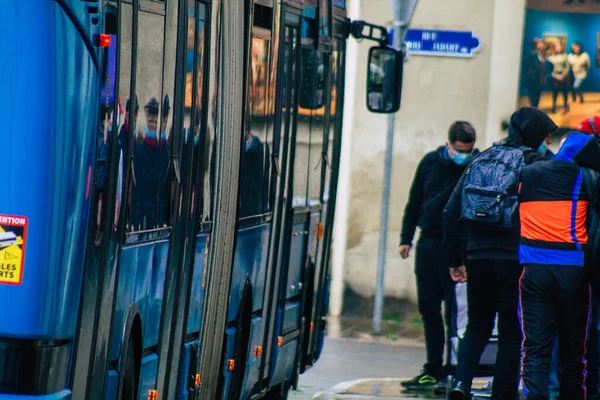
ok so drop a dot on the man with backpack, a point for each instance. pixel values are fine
(484, 204)
(433, 184)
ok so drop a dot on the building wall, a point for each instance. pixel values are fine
(437, 91)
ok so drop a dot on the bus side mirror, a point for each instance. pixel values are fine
(384, 80)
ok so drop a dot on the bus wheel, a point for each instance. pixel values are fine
(128, 392)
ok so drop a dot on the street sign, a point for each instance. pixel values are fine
(432, 42)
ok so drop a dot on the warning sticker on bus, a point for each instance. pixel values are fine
(13, 236)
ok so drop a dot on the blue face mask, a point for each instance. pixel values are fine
(459, 158)
(542, 149)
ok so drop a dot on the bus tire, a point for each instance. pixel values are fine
(129, 389)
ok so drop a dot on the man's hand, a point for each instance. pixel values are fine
(459, 274)
(404, 251)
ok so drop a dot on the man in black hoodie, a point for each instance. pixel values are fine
(437, 174)
(493, 270)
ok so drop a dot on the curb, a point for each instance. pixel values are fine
(340, 388)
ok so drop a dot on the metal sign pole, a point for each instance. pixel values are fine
(402, 12)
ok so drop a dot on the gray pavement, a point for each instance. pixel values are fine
(345, 360)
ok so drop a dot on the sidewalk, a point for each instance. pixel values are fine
(387, 388)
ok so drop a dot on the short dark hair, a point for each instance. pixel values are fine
(535, 43)
(580, 47)
(461, 131)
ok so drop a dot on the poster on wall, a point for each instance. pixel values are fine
(560, 62)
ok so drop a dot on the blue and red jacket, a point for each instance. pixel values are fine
(554, 204)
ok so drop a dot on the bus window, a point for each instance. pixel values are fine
(288, 93)
(204, 148)
(106, 119)
(188, 133)
(334, 121)
(256, 152)
(127, 115)
(166, 190)
(150, 148)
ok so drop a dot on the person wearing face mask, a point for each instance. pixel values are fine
(483, 209)
(435, 178)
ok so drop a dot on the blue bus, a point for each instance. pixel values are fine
(171, 173)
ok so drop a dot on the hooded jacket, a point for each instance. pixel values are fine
(528, 127)
(432, 186)
(554, 204)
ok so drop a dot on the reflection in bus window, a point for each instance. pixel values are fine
(189, 136)
(256, 152)
(106, 118)
(334, 125)
(203, 136)
(150, 183)
(288, 104)
(311, 124)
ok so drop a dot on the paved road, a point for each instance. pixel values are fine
(346, 360)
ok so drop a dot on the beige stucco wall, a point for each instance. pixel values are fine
(436, 92)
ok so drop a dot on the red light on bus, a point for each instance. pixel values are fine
(104, 40)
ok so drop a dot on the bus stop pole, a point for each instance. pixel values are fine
(398, 31)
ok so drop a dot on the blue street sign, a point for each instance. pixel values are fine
(431, 42)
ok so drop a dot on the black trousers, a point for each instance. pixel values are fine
(434, 286)
(492, 288)
(554, 298)
(560, 87)
(535, 91)
(593, 349)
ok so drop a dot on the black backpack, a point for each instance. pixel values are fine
(490, 187)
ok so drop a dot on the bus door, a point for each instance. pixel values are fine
(312, 162)
(332, 137)
(293, 211)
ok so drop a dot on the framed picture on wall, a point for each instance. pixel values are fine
(551, 39)
(598, 49)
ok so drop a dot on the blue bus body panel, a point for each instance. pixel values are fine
(285, 363)
(230, 335)
(148, 375)
(141, 280)
(291, 317)
(184, 372)
(112, 385)
(64, 395)
(297, 260)
(275, 352)
(284, 357)
(197, 295)
(49, 86)
(250, 259)
(253, 362)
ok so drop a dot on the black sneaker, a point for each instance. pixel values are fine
(423, 381)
